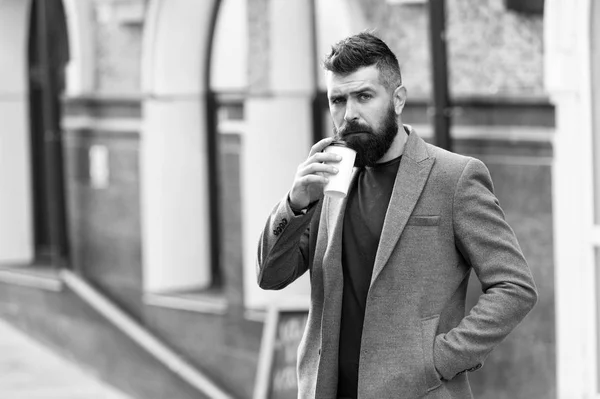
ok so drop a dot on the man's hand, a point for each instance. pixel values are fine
(309, 182)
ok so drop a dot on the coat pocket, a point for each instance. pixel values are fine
(423, 220)
(429, 327)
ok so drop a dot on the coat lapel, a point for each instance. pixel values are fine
(411, 178)
(333, 288)
(332, 274)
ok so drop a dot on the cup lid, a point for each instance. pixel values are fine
(339, 143)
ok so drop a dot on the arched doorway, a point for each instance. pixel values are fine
(32, 65)
(48, 55)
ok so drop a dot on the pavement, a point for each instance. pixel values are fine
(28, 370)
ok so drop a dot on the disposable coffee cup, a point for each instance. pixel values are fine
(338, 184)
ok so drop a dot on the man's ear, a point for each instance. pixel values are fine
(399, 99)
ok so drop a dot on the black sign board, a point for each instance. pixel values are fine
(276, 377)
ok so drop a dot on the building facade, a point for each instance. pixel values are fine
(145, 141)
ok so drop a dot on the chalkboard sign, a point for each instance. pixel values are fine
(276, 377)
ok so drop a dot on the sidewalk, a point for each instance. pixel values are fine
(28, 370)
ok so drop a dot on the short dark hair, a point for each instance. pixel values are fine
(362, 50)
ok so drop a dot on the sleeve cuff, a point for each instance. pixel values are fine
(299, 212)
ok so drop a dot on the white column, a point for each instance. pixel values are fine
(229, 63)
(568, 81)
(16, 224)
(336, 19)
(279, 136)
(174, 175)
(176, 244)
(80, 69)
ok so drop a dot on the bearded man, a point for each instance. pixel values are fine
(389, 263)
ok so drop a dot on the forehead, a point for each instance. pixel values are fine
(365, 77)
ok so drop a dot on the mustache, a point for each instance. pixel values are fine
(353, 127)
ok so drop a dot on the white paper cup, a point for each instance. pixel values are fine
(339, 183)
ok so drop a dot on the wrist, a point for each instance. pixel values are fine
(296, 209)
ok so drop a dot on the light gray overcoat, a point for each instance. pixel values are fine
(442, 221)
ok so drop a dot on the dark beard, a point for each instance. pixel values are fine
(370, 146)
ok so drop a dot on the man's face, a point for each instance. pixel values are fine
(363, 113)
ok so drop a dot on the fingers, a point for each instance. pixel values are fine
(320, 146)
(323, 157)
(312, 179)
(314, 167)
(318, 161)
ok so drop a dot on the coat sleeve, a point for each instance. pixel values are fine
(285, 245)
(489, 245)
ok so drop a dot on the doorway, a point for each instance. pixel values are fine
(48, 54)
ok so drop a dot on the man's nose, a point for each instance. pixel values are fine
(351, 113)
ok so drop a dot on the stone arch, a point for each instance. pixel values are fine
(174, 150)
(16, 208)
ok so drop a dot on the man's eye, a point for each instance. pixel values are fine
(364, 96)
(337, 100)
